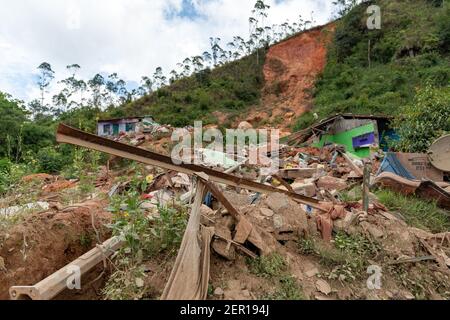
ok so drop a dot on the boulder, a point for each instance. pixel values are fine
(245, 125)
(331, 183)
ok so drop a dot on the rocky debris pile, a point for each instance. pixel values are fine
(254, 224)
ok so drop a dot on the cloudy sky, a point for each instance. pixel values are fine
(130, 37)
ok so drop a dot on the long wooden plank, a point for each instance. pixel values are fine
(51, 286)
(66, 134)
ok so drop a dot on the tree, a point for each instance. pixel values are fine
(207, 57)
(425, 120)
(96, 85)
(147, 84)
(158, 78)
(45, 78)
(174, 76)
(12, 117)
(37, 109)
(60, 100)
(74, 86)
(215, 48)
(197, 62)
(73, 68)
(344, 6)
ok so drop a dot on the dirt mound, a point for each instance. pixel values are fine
(290, 71)
(46, 242)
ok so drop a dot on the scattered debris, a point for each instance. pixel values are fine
(316, 211)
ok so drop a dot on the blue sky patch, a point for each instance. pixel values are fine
(188, 11)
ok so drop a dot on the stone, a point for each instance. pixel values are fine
(408, 295)
(277, 202)
(245, 125)
(331, 183)
(312, 272)
(218, 292)
(305, 189)
(290, 114)
(2, 264)
(234, 285)
(207, 211)
(373, 230)
(323, 287)
(278, 221)
(243, 230)
(267, 212)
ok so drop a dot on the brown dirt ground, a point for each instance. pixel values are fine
(46, 242)
(290, 71)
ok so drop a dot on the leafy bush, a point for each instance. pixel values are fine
(5, 168)
(5, 165)
(304, 121)
(288, 289)
(49, 160)
(268, 266)
(423, 121)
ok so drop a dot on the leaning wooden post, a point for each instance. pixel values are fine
(366, 184)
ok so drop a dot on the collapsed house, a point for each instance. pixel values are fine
(117, 126)
(362, 136)
(238, 212)
(357, 133)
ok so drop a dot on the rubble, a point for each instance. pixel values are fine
(240, 212)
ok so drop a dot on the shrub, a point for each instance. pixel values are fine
(49, 160)
(268, 266)
(304, 121)
(423, 121)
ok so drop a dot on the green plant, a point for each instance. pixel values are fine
(351, 196)
(267, 266)
(126, 283)
(287, 289)
(169, 227)
(347, 257)
(86, 240)
(417, 212)
(49, 160)
(306, 246)
(304, 121)
(423, 121)
(403, 58)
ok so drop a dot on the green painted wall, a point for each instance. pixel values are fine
(346, 139)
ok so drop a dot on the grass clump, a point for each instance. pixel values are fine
(275, 269)
(347, 257)
(287, 289)
(416, 212)
(144, 237)
(268, 266)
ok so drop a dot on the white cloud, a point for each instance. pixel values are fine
(130, 37)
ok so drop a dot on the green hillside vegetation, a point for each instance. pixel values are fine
(230, 88)
(409, 54)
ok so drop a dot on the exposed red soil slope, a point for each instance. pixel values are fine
(290, 71)
(46, 242)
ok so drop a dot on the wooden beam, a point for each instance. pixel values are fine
(51, 286)
(66, 134)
